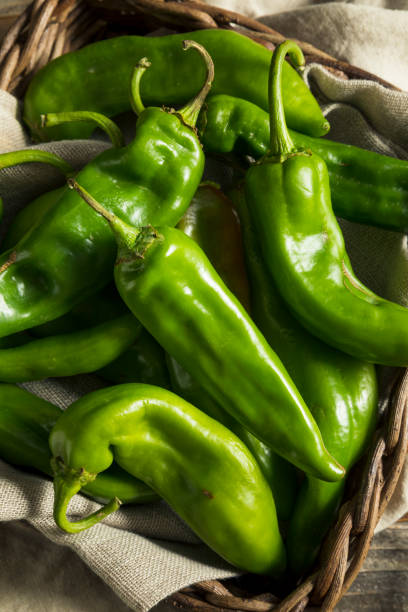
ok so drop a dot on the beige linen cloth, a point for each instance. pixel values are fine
(145, 553)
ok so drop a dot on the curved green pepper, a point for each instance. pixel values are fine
(25, 423)
(197, 465)
(366, 187)
(212, 222)
(150, 180)
(170, 286)
(340, 391)
(241, 69)
(69, 354)
(289, 197)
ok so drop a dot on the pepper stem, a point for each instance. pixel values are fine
(106, 124)
(281, 143)
(125, 234)
(191, 110)
(35, 155)
(138, 72)
(67, 482)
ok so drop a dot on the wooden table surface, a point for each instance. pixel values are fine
(382, 585)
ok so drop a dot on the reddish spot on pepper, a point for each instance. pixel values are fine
(208, 494)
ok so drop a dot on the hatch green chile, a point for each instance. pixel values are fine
(212, 222)
(170, 286)
(25, 424)
(366, 187)
(197, 465)
(77, 352)
(340, 391)
(69, 255)
(288, 194)
(241, 69)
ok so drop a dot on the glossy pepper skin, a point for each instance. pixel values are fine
(150, 180)
(288, 194)
(341, 392)
(197, 465)
(69, 354)
(366, 187)
(168, 283)
(25, 424)
(106, 67)
(212, 222)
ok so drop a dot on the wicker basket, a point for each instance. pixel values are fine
(49, 28)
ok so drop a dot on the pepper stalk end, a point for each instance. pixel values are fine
(189, 113)
(67, 482)
(125, 234)
(281, 143)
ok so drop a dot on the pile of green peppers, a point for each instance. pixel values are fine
(237, 344)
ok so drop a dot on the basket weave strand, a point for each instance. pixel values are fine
(49, 28)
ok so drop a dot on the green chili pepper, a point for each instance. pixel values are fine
(170, 286)
(289, 197)
(340, 391)
(196, 464)
(35, 211)
(366, 187)
(25, 423)
(69, 354)
(241, 69)
(68, 256)
(212, 222)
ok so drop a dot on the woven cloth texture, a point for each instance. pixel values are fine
(146, 553)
